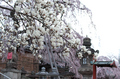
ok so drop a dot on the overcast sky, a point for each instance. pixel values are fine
(106, 17)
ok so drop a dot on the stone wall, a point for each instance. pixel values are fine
(26, 61)
(12, 73)
(2, 64)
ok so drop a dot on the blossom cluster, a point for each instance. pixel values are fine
(85, 50)
(38, 18)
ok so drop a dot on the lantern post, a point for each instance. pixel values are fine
(86, 69)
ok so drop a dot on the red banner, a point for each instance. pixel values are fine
(9, 56)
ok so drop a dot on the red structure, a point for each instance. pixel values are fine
(101, 64)
(94, 70)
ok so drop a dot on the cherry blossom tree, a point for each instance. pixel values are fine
(28, 23)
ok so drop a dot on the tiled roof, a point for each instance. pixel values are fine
(104, 63)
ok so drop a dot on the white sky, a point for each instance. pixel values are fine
(106, 17)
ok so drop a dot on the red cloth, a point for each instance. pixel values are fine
(9, 56)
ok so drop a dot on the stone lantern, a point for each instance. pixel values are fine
(43, 74)
(53, 74)
(86, 68)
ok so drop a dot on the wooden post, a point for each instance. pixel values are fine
(94, 69)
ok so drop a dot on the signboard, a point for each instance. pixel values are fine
(9, 56)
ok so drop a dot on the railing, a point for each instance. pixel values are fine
(4, 76)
